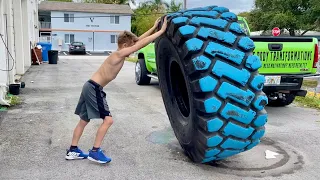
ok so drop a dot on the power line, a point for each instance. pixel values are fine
(107, 15)
(8, 51)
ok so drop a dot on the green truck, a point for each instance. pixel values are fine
(285, 63)
(216, 80)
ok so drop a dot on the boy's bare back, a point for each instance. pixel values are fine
(109, 69)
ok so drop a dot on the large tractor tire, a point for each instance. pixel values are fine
(210, 84)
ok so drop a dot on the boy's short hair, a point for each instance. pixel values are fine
(127, 36)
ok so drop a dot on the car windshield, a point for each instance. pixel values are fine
(244, 27)
(77, 44)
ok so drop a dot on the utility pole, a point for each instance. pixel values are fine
(184, 4)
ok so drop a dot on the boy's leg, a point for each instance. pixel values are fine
(107, 122)
(96, 153)
(78, 132)
(74, 152)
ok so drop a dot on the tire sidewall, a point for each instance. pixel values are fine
(163, 68)
(282, 102)
(144, 78)
(138, 81)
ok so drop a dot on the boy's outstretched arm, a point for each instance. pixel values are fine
(151, 30)
(143, 42)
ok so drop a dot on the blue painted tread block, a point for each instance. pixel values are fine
(227, 90)
(226, 37)
(211, 14)
(239, 75)
(232, 55)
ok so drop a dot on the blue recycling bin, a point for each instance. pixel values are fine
(45, 48)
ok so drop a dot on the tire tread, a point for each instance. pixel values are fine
(221, 131)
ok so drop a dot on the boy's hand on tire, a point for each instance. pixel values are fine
(156, 23)
(164, 25)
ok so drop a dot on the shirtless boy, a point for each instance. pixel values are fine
(92, 103)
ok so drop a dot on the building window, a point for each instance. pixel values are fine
(68, 17)
(114, 39)
(114, 19)
(68, 38)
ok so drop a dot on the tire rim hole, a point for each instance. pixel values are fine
(179, 88)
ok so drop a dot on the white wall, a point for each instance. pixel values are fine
(94, 41)
(21, 18)
(26, 32)
(102, 41)
(81, 23)
(33, 20)
(19, 43)
(9, 39)
(3, 74)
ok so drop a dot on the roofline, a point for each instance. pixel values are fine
(84, 12)
(40, 8)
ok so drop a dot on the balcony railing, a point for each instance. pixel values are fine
(45, 25)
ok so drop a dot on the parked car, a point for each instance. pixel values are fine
(77, 47)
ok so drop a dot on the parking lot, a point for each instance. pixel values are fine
(88, 53)
(35, 135)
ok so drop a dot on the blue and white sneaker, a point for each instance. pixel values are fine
(75, 154)
(98, 156)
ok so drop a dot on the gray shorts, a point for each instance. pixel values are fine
(92, 103)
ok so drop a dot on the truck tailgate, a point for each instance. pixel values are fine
(285, 55)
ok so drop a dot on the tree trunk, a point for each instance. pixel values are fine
(292, 32)
(316, 24)
(308, 30)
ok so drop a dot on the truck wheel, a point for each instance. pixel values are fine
(141, 73)
(281, 102)
(210, 84)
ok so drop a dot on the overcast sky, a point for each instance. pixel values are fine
(235, 6)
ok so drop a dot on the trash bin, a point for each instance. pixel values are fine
(45, 48)
(14, 89)
(53, 57)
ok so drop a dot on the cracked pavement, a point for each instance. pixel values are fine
(34, 136)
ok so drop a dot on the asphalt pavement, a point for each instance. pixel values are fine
(34, 136)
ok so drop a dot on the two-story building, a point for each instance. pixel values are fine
(96, 25)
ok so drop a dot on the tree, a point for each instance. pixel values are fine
(107, 1)
(244, 14)
(144, 17)
(159, 5)
(173, 7)
(61, 0)
(292, 15)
